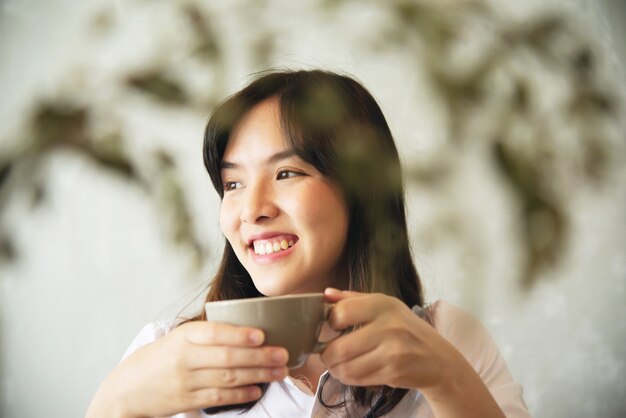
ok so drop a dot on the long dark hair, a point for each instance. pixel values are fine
(333, 123)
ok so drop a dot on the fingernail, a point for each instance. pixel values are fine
(332, 291)
(255, 337)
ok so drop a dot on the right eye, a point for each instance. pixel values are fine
(232, 185)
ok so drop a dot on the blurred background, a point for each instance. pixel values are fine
(509, 117)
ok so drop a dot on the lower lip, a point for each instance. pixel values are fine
(270, 258)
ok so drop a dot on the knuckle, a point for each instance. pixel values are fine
(397, 330)
(228, 377)
(394, 372)
(211, 330)
(341, 350)
(378, 296)
(173, 342)
(180, 383)
(338, 317)
(227, 357)
(177, 363)
(215, 396)
(388, 302)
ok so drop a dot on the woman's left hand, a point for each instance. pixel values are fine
(391, 345)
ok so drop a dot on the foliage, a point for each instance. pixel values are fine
(539, 145)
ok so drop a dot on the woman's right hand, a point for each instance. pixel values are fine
(198, 365)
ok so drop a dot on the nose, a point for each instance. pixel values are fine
(259, 204)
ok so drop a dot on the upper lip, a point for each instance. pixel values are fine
(265, 235)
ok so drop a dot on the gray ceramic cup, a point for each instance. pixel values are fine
(291, 321)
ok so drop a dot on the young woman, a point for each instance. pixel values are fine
(312, 201)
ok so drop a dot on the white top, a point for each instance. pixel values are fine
(291, 398)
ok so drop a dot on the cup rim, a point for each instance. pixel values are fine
(266, 298)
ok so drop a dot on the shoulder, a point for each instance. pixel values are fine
(150, 333)
(467, 334)
(461, 328)
(471, 338)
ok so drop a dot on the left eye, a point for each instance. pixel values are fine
(286, 174)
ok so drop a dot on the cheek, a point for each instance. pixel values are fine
(228, 221)
(324, 211)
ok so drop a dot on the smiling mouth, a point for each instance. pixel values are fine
(269, 246)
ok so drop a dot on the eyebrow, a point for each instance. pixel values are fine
(279, 156)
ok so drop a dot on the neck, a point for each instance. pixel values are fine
(313, 367)
(309, 372)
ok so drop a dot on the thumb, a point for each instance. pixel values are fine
(335, 295)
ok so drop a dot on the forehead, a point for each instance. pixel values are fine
(258, 134)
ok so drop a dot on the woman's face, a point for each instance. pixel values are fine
(286, 222)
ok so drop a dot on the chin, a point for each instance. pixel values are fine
(277, 288)
(270, 289)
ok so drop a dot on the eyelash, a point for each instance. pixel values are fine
(282, 174)
(292, 173)
(228, 185)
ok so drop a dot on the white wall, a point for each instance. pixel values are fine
(96, 264)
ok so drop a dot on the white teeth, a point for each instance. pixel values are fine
(269, 247)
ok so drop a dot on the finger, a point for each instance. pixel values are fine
(217, 333)
(203, 357)
(205, 398)
(353, 311)
(335, 295)
(365, 370)
(392, 363)
(230, 378)
(350, 346)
